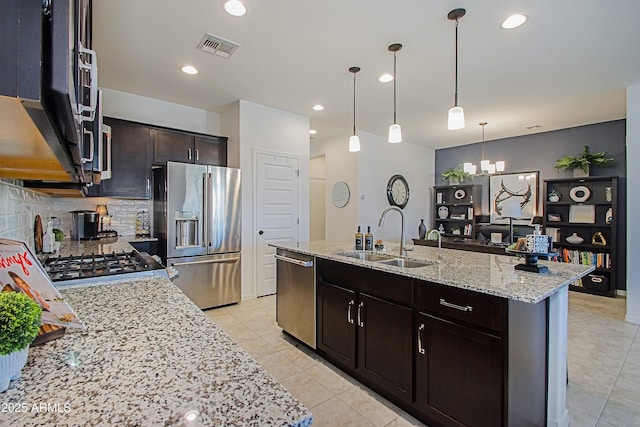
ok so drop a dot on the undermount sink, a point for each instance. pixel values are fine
(406, 263)
(365, 256)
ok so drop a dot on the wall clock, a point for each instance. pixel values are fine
(398, 191)
(340, 194)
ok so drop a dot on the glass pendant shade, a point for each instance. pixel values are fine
(456, 118)
(354, 143)
(395, 133)
(492, 169)
(484, 165)
(500, 166)
(467, 167)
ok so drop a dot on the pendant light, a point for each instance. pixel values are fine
(395, 132)
(456, 113)
(486, 167)
(354, 140)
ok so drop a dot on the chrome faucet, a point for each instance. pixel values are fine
(440, 256)
(381, 224)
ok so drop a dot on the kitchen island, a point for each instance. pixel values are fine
(149, 357)
(464, 340)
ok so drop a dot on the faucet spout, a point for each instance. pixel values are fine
(381, 224)
(440, 256)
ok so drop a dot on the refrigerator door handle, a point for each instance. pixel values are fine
(211, 261)
(205, 209)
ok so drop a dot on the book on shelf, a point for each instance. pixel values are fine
(598, 259)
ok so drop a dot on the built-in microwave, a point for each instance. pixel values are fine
(48, 68)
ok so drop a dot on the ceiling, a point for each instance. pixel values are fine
(567, 66)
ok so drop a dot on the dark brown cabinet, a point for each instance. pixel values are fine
(131, 156)
(458, 373)
(176, 146)
(365, 335)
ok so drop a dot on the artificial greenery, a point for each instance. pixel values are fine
(19, 321)
(585, 160)
(59, 234)
(456, 173)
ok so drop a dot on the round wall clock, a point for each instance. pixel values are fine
(398, 191)
(340, 194)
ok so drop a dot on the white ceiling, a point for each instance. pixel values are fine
(567, 66)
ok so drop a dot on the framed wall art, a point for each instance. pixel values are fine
(507, 188)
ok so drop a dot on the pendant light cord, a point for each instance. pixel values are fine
(455, 99)
(354, 103)
(394, 88)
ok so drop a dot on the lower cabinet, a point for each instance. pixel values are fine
(458, 373)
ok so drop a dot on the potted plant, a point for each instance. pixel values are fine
(59, 237)
(580, 165)
(454, 175)
(19, 325)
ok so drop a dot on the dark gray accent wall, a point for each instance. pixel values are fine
(539, 152)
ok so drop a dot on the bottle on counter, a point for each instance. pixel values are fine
(368, 240)
(422, 230)
(359, 245)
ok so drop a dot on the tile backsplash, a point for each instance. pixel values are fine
(19, 207)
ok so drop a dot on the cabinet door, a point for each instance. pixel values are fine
(130, 162)
(210, 150)
(458, 371)
(336, 324)
(385, 345)
(172, 146)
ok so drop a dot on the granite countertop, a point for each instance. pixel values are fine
(486, 273)
(149, 357)
(105, 245)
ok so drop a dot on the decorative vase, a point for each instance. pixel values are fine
(609, 216)
(575, 239)
(11, 366)
(454, 181)
(422, 230)
(443, 212)
(553, 198)
(580, 173)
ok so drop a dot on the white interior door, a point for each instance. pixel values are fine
(276, 213)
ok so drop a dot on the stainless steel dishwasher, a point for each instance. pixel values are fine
(296, 295)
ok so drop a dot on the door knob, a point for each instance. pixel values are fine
(261, 232)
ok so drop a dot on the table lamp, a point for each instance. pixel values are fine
(511, 209)
(102, 212)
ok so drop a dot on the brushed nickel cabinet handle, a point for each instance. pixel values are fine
(189, 153)
(421, 349)
(360, 323)
(456, 306)
(349, 318)
(197, 155)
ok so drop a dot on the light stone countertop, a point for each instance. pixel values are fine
(475, 271)
(105, 245)
(149, 357)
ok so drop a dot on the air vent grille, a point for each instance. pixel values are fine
(217, 45)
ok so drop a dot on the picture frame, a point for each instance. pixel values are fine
(582, 214)
(522, 186)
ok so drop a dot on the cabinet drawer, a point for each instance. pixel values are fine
(468, 306)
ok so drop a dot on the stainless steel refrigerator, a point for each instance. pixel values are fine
(197, 220)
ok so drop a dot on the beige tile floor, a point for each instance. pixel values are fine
(603, 356)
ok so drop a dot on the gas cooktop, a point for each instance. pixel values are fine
(74, 267)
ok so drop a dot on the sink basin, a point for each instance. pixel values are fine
(405, 263)
(365, 256)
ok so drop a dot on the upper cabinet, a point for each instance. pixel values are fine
(131, 155)
(176, 146)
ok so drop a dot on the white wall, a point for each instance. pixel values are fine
(141, 109)
(340, 165)
(633, 204)
(367, 174)
(255, 128)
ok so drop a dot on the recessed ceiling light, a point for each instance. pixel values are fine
(385, 78)
(514, 21)
(189, 69)
(235, 8)
(312, 131)
(318, 107)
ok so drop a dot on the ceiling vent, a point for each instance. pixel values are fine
(217, 45)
